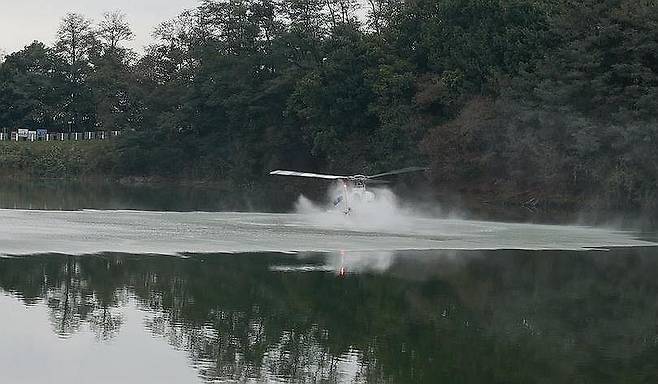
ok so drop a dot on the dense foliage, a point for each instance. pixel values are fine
(59, 159)
(554, 100)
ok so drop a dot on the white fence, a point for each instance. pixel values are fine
(43, 135)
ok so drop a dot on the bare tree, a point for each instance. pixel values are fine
(342, 11)
(113, 30)
(75, 39)
(380, 11)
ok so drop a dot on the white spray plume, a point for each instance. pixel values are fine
(384, 214)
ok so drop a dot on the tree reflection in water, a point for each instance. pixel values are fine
(506, 316)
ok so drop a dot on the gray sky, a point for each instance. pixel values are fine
(22, 21)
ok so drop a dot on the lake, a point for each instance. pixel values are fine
(140, 287)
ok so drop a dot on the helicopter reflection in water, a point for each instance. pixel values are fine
(342, 262)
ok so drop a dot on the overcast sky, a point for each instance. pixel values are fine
(23, 21)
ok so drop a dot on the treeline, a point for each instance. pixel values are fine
(555, 100)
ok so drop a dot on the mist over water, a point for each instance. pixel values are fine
(383, 225)
(385, 213)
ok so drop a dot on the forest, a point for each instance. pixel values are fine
(555, 100)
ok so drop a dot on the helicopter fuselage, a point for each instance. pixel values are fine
(353, 193)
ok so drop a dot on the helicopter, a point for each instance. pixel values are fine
(353, 186)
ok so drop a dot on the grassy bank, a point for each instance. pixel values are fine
(58, 159)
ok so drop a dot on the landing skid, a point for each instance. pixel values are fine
(344, 212)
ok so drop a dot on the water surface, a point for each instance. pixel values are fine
(173, 295)
(469, 317)
(88, 232)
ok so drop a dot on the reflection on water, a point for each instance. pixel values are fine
(466, 317)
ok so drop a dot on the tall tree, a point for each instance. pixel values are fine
(31, 89)
(76, 42)
(112, 80)
(113, 30)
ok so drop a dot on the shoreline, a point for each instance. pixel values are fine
(270, 197)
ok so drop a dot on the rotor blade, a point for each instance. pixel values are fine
(307, 174)
(399, 171)
(378, 181)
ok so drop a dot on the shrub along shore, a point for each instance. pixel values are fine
(58, 159)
